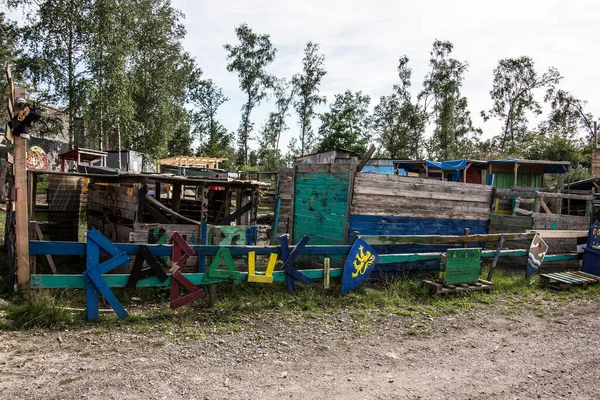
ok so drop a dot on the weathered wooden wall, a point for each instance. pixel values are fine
(397, 205)
(285, 188)
(320, 202)
(64, 207)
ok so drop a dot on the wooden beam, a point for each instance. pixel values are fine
(366, 158)
(544, 206)
(155, 203)
(236, 215)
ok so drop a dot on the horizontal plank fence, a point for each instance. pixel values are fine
(39, 281)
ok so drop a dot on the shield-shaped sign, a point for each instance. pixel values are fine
(537, 252)
(359, 264)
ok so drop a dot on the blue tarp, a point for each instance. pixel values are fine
(453, 164)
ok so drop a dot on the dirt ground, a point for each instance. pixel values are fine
(482, 354)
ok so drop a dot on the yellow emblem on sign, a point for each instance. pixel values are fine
(23, 114)
(362, 262)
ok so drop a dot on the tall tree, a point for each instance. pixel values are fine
(207, 97)
(57, 37)
(398, 122)
(445, 104)
(160, 73)
(515, 82)
(250, 59)
(347, 124)
(306, 86)
(109, 107)
(567, 116)
(270, 135)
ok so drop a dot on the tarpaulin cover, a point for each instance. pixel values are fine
(453, 164)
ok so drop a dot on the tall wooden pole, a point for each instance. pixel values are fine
(21, 200)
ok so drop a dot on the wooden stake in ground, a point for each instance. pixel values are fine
(21, 217)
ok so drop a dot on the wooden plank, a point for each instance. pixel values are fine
(562, 234)
(434, 239)
(401, 195)
(418, 180)
(465, 189)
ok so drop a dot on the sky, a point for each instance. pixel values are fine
(362, 42)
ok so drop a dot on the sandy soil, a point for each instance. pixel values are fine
(482, 354)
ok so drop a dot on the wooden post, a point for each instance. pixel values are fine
(176, 200)
(227, 201)
(465, 172)
(204, 203)
(212, 288)
(33, 178)
(467, 233)
(142, 202)
(326, 267)
(157, 190)
(238, 204)
(516, 174)
(291, 220)
(21, 206)
(254, 209)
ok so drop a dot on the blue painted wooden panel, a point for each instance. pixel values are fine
(389, 226)
(320, 207)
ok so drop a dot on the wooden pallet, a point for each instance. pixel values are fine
(438, 288)
(566, 280)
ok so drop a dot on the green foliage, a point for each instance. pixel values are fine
(513, 94)
(399, 123)
(449, 109)
(250, 59)
(347, 124)
(306, 84)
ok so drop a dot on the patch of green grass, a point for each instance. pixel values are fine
(38, 310)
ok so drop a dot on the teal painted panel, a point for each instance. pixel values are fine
(320, 207)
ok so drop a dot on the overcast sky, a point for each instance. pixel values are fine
(362, 41)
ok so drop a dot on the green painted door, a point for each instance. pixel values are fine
(320, 206)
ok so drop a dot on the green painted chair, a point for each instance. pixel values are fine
(460, 266)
